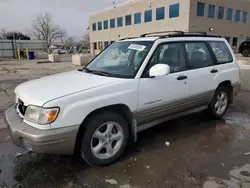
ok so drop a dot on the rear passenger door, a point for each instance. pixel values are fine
(201, 72)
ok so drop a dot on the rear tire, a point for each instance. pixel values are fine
(220, 102)
(245, 53)
(106, 137)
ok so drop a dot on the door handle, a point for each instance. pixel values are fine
(182, 77)
(214, 71)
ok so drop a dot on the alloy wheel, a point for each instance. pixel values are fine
(107, 140)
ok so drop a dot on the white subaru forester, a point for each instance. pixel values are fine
(132, 85)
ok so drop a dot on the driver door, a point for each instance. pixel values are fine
(164, 95)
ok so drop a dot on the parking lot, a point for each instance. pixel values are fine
(202, 152)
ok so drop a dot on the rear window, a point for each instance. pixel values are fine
(221, 51)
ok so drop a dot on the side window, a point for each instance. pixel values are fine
(172, 54)
(221, 52)
(198, 55)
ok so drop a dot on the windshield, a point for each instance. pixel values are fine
(121, 59)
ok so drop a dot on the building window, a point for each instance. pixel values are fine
(99, 25)
(94, 27)
(230, 14)
(112, 23)
(237, 16)
(235, 41)
(95, 46)
(106, 44)
(137, 18)
(105, 24)
(119, 22)
(228, 39)
(200, 9)
(128, 20)
(211, 11)
(160, 13)
(245, 17)
(221, 13)
(148, 16)
(174, 10)
(100, 46)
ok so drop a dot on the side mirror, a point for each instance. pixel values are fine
(159, 70)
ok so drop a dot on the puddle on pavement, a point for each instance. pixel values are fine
(239, 118)
(238, 178)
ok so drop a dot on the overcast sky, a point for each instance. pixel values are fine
(70, 14)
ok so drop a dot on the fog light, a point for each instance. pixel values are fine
(25, 144)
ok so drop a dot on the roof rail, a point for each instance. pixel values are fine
(196, 33)
(128, 38)
(156, 33)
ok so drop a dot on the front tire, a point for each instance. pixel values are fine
(220, 102)
(245, 53)
(106, 137)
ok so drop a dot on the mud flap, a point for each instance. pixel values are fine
(134, 130)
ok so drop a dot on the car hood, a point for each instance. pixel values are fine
(42, 90)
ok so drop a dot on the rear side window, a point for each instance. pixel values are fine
(221, 52)
(198, 55)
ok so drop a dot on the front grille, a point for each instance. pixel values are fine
(21, 107)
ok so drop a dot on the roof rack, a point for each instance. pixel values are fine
(128, 38)
(196, 33)
(157, 33)
(164, 34)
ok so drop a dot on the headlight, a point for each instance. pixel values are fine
(41, 115)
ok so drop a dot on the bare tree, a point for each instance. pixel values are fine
(85, 41)
(43, 28)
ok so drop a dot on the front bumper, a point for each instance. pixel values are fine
(54, 141)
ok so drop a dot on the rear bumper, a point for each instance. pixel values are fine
(54, 141)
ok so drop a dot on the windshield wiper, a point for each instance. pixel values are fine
(102, 73)
(97, 72)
